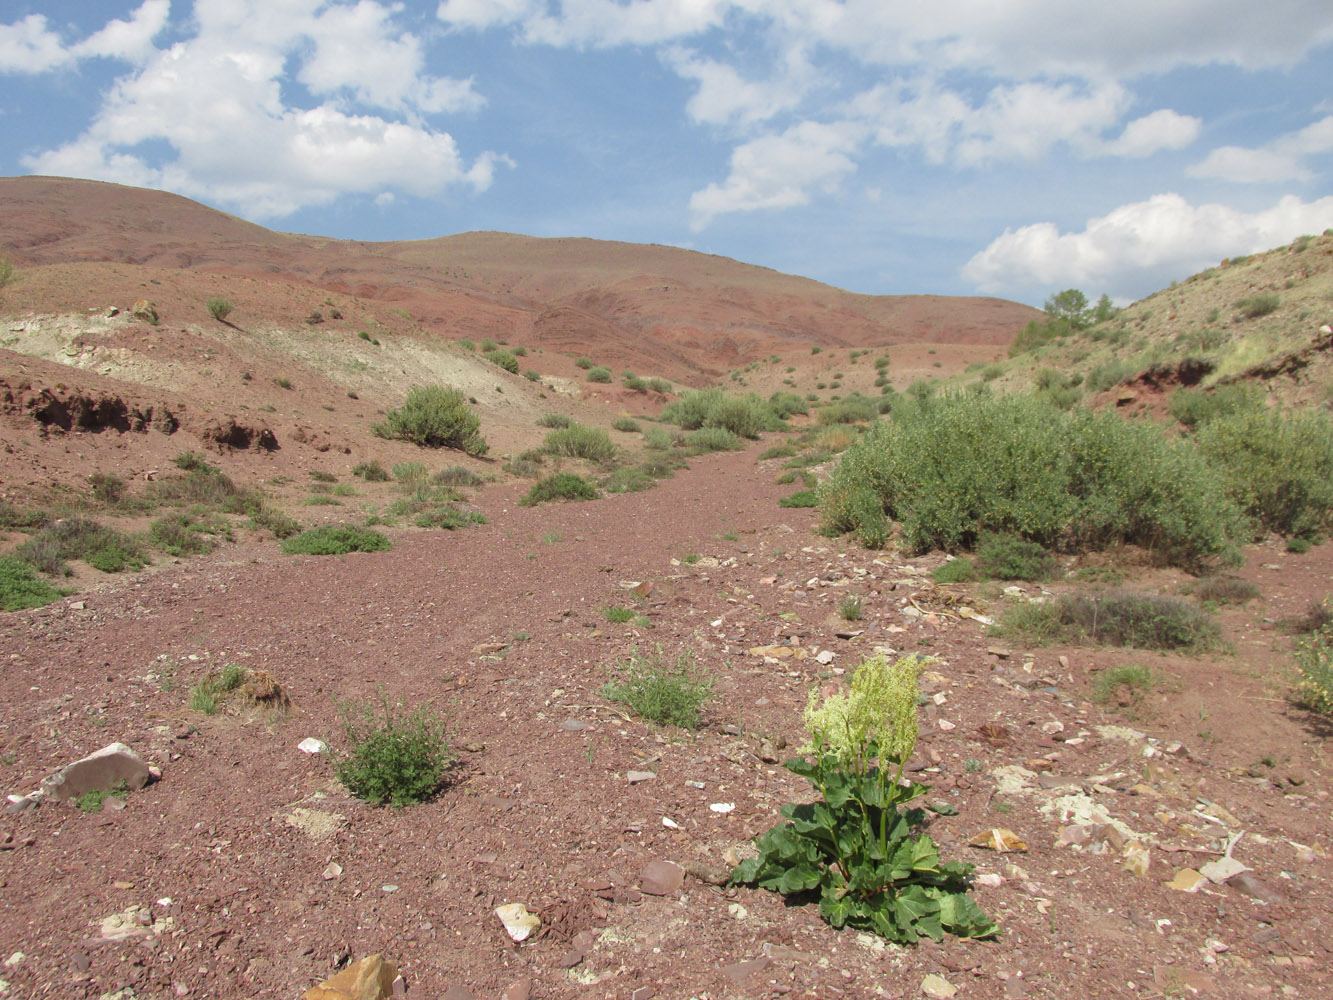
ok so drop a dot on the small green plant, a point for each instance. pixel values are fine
(626, 425)
(214, 687)
(101, 547)
(852, 607)
(179, 533)
(1224, 588)
(393, 757)
(561, 486)
(456, 475)
(553, 420)
(1010, 557)
(503, 359)
(410, 473)
(619, 615)
(108, 488)
(335, 540)
(577, 441)
(1299, 545)
(1124, 686)
(584, 363)
(219, 309)
(801, 498)
(435, 416)
(960, 570)
(1115, 618)
(858, 846)
(599, 373)
(21, 587)
(92, 801)
(707, 439)
(669, 690)
(282, 383)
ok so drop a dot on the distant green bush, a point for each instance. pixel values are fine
(852, 410)
(1010, 557)
(503, 359)
(1278, 466)
(1197, 406)
(101, 547)
(1314, 659)
(553, 420)
(801, 498)
(335, 540)
(578, 441)
(746, 416)
(21, 587)
(950, 468)
(219, 309)
(599, 373)
(1259, 305)
(584, 363)
(713, 439)
(371, 472)
(1115, 618)
(561, 486)
(435, 416)
(625, 424)
(785, 404)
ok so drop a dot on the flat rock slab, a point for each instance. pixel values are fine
(661, 878)
(371, 978)
(112, 767)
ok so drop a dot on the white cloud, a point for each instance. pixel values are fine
(725, 97)
(132, 40)
(778, 171)
(28, 46)
(1283, 159)
(1139, 246)
(1164, 129)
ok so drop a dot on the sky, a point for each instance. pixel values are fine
(997, 147)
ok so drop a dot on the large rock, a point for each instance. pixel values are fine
(146, 311)
(112, 767)
(369, 979)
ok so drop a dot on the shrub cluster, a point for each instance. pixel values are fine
(669, 690)
(101, 547)
(949, 468)
(21, 587)
(335, 540)
(393, 757)
(1116, 618)
(434, 416)
(745, 416)
(578, 441)
(561, 486)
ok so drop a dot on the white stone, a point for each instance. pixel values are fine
(518, 922)
(312, 745)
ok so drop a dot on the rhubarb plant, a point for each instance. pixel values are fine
(861, 847)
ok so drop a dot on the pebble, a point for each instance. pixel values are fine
(661, 878)
(635, 777)
(938, 987)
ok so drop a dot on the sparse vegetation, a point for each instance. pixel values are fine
(101, 547)
(21, 587)
(213, 688)
(435, 416)
(599, 373)
(393, 757)
(335, 540)
(618, 615)
(561, 486)
(1115, 618)
(1224, 588)
(1123, 686)
(371, 472)
(667, 689)
(1259, 305)
(578, 441)
(801, 498)
(1314, 659)
(626, 425)
(852, 607)
(745, 416)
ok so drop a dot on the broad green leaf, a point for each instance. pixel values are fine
(799, 879)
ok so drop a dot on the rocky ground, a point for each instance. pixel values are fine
(247, 871)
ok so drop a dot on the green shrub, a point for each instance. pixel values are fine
(532, 375)
(14, 518)
(21, 587)
(178, 534)
(561, 486)
(661, 439)
(853, 410)
(713, 439)
(631, 480)
(577, 441)
(503, 359)
(658, 384)
(434, 416)
(584, 363)
(746, 416)
(858, 848)
(784, 450)
(219, 309)
(950, 468)
(1278, 466)
(1314, 659)
(600, 373)
(625, 424)
(618, 615)
(1197, 406)
(1223, 588)
(961, 570)
(103, 548)
(852, 607)
(1259, 305)
(786, 404)
(801, 498)
(1299, 546)
(213, 688)
(553, 420)
(1116, 618)
(1125, 685)
(661, 689)
(1110, 374)
(633, 383)
(393, 757)
(456, 475)
(467, 344)
(1009, 557)
(335, 540)
(409, 472)
(488, 345)
(266, 518)
(371, 472)
(108, 488)
(6, 271)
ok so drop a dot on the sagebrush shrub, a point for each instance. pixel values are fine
(578, 441)
(335, 540)
(1116, 618)
(1314, 658)
(393, 757)
(713, 439)
(561, 486)
(503, 359)
(219, 309)
(746, 416)
(435, 416)
(101, 547)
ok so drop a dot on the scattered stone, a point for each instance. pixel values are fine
(661, 878)
(312, 745)
(332, 871)
(146, 311)
(1136, 859)
(457, 992)
(315, 823)
(644, 993)
(372, 978)
(722, 807)
(134, 922)
(741, 973)
(1187, 880)
(998, 839)
(112, 767)
(1251, 886)
(1222, 869)
(826, 656)
(520, 989)
(937, 987)
(573, 725)
(635, 777)
(518, 922)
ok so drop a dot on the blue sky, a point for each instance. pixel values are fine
(1007, 147)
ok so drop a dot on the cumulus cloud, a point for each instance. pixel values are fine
(1283, 159)
(28, 46)
(779, 171)
(227, 81)
(1139, 246)
(1161, 130)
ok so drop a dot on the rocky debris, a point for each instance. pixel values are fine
(520, 989)
(743, 973)
(937, 987)
(114, 766)
(636, 777)
(228, 432)
(315, 823)
(134, 922)
(145, 310)
(518, 922)
(661, 878)
(998, 839)
(372, 978)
